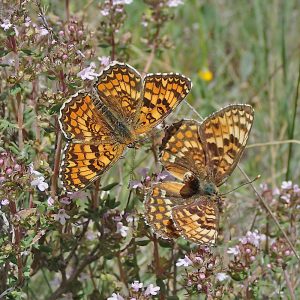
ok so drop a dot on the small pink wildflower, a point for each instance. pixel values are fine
(152, 290)
(61, 216)
(136, 285)
(88, 73)
(184, 262)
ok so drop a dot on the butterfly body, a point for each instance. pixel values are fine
(201, 156)
(121, 109)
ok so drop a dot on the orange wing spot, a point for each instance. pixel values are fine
(126, 78)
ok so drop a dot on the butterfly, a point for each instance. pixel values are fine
(201, 156)
(121, 108)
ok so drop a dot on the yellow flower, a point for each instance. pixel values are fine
(205, 75)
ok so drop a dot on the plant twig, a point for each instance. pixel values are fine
(273, 143)
(289, 284)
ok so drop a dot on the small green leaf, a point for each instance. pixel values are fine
(109, 186)
(28, 51)
(51, 77)
(3, 52)
(17, 88)
(104, 45)
(143, 242)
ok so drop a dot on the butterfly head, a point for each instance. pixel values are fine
(209, 188)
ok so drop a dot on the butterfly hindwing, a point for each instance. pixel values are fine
(197, 220)
(161, 95)
(163, 197)
(83, 164)
(224, 135)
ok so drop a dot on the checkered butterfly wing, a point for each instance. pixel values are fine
(224, 136)
(162, 93)
(197, 220)
(119, 88)
(91, 148)
(158, 206)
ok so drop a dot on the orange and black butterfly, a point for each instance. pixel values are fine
(201, 157)
(121, 108)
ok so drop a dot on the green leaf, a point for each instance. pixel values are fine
(17, 88)
(109, 186)
(55, 108)
(143, 242)
(3, 52)
(165, 243)
(4, 65)
(51, 77)
(28, 51)
(104, 45)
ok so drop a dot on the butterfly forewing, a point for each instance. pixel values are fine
(81, 120)
(119, 88)
(161, 94)
(224, 135)
(197, 220)
(83, 164)
(163, 197)
(182, 150)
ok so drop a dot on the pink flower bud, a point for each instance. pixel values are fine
(1, 161)
(202, 276)
(199, 287)
(71, 28)
(17, 167)
(2, 178)
(80, 32)
(65, 56)
(252, 258)
(248, 250)
(61, 33)
(9, 171)
(287, 252)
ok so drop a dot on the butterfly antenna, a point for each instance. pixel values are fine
(257, 177)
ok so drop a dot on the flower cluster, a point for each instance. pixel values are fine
(147, 179)
(288, 194)
(280, 252)
(138, 292)
(206, 274)
(14, 176)
(244, 253)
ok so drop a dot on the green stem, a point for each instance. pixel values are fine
(292, 129)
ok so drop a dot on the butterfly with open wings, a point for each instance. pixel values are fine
(121, 108)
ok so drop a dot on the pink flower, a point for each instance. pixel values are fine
(184, 262)
(221, 276)
(174, 3)
(50, 201)
(61, 216)
(152, 290)
(6, 24)
(123, 230)
(88, 73)
(234, 250)
(286, 185)
(104, 60)
(136, 285)
(253, 238)
(115, 296)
